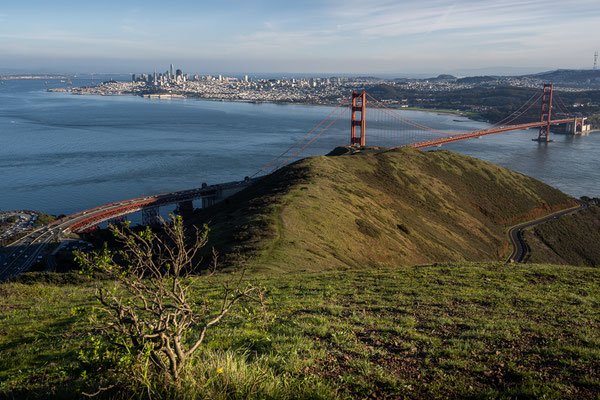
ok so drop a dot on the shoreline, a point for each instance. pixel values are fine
(172, 96)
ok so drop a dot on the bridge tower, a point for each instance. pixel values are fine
(544, 135)
(362, 108)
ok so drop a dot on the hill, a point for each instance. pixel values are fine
(349, 318)
(571, 240)
(589, 78)
(358, 209)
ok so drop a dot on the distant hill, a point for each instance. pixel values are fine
(571, 77)
(477, 79)
(378, 207)
(442, 77)
(562, 77)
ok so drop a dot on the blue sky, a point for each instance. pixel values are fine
(327, 36)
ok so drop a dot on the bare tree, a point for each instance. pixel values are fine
(152, 309)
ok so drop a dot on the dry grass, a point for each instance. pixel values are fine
(390, 207)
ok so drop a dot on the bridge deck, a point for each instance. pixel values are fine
(88, 218)
(471, 135)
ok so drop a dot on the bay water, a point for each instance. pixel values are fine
(61, 153)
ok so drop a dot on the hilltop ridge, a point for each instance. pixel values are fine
(361, 208)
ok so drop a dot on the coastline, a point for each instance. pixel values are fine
(174, 96)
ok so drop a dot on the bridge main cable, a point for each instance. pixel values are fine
(300, 140)
(393, 114)
(566, 109)
(468, 135)
(313, 139)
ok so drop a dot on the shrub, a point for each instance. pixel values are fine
(150, 318)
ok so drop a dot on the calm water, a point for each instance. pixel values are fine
(61, 153)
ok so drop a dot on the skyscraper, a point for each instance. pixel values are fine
(172, 70)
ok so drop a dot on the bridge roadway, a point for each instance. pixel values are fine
(463, 136)
(21, 254)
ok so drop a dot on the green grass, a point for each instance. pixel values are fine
(434, 331)
(572, 239)
(392, 207)
(45, 219)
(327, 236)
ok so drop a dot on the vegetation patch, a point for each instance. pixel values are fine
(433, 331)
(571, 239)
(404, 206)
(367, 228)
(45, 219)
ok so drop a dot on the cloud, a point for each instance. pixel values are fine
(391, 19)
(71, 38)
(478, 29)
(382, 34)
(131, 30)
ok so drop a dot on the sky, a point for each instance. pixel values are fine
(401, 38)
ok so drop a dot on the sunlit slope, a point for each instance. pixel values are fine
(572, 239)
(374, 207)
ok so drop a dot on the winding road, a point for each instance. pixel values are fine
(515, 233)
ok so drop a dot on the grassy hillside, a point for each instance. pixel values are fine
(437, 331)
(573, 239)
(388, 207)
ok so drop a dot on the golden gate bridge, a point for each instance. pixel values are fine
(387, 128)
(372, 123)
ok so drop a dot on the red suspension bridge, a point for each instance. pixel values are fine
(386, 127)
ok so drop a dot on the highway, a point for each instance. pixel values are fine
(19, 256)
(25, 220)
(515, 233)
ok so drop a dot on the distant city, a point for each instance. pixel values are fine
(174, 83)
